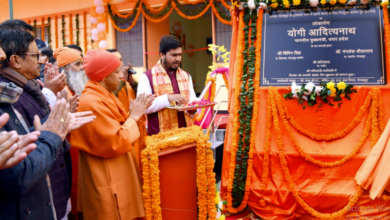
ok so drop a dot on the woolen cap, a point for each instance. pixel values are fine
(98, 64)
(65, 56)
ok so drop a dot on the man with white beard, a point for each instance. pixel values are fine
(71, 62)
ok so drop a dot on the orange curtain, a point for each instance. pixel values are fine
(326, 190)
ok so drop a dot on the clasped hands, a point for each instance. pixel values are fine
(61, 120)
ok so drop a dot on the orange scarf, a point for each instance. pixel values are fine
(162, 85)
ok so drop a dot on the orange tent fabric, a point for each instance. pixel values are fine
(139, 144)
(325, 189)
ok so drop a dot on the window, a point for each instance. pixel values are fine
(129, 44)
(223, 32)
(38, 34)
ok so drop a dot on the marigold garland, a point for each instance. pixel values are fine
(225, 4)
(272, 94)
(132, 24)
(155, 10)
(256, 103)
(239, 63)
(216, 13)
(267, 146)
(253, 73)
(175, 6)
(159, 19)
(205, 175)
(370, 124)
(375, 134)
(362, 111)
(116, 12)
(143, 6)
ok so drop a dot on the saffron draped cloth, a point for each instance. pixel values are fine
(375, 171)
(162, 85)
(125, 95)
(109, 183)
(327, 190)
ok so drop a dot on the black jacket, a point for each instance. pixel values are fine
(61, 170)
(24, 192)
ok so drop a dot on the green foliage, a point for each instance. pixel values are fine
(77, 30)
(246, 108)
(49, 31)
(63, 31)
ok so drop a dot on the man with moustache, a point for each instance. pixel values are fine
(71, 62)
(171, 85)
(20, 68)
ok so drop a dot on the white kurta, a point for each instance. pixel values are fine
(160, 102)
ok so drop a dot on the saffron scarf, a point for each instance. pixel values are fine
(162, 85)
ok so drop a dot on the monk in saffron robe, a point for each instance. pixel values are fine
(125, 93)
(109, 185)
(171, 85)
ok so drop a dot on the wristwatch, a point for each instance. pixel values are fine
(131, 71)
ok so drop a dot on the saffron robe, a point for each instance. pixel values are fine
(109, 185)
(124, 95)
(74, 153)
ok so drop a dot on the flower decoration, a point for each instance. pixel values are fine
(277, 111)
(263, 6)
(251, 4)
(313, 3)
(296, 2)
(205, 177)
(365, 2)
(309, 92)
(333, 2)
(286, 3)
(241, 6)
(351, 2)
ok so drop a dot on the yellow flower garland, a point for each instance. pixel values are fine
(205, 175)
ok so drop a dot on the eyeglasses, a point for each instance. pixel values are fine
(32, 54)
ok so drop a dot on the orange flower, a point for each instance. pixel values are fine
(195, 16)
(218, 16)
(272, 95)
(205, 175)
(370, 123)
(254, 120)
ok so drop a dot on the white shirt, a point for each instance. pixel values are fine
(50, 96)
(160, 102)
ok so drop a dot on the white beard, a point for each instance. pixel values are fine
(77, 81)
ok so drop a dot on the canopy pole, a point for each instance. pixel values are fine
(11, 10)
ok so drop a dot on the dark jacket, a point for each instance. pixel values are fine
(24, 192)
(61, 170)
(40, 43)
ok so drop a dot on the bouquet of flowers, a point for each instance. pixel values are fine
(309, 92)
